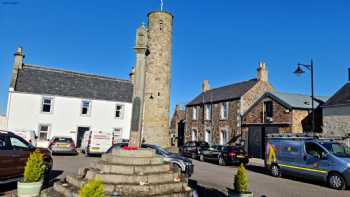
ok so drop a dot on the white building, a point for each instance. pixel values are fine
(3, 122)
(61, 103)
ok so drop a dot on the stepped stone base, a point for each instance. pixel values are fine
(132, 173)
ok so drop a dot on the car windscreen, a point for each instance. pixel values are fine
(338, 149)
(63, 140)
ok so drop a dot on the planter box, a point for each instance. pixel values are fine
(29, 189)
(232, 193)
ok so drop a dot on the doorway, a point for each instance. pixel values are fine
(257, 140)
(181, 133)
(80, 135)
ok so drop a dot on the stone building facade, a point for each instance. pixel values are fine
(154, 53)
(277, 112)
(290, 113)
(177, 127)
(336, 111)
(215, 115)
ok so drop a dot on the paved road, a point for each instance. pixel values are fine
(220, 177)
(261, 183)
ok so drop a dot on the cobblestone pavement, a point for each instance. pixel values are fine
(207, 176)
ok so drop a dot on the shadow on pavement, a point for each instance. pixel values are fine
(203, 191)
(53, 178)
(9, 189)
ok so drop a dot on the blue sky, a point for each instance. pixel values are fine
(221, 40)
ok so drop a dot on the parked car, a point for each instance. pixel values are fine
(184, 164)
(14, 152)
(96, 142)
(62, 145)
(224, 155)
(194, 148)
(28, 135)
(308, 157)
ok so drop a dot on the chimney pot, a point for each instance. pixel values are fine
(205, 86)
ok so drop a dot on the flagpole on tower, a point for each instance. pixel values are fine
(161, 5)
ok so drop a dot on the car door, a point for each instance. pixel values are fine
(313, 162)
(7, 160)
(21, 152)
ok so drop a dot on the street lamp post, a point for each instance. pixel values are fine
(299, 71)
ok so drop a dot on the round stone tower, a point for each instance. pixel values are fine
(157, 79)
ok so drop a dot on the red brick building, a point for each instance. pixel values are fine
(276, 112)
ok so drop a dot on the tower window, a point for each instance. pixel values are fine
(161, 25)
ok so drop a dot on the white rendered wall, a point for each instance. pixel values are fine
(24, 113)
(3, 122)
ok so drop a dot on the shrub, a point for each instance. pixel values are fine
(241, 180)
(35, 168)
(94, 188)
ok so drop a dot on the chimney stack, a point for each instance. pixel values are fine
(205, 86)
(17, 65)
(262, 74)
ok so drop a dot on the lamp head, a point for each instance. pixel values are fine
(299, 71)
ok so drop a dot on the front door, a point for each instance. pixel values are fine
(181, 134)
(80, 135)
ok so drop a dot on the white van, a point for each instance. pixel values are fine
(28, 135)
(96, 142)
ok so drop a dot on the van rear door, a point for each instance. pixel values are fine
(100, 142)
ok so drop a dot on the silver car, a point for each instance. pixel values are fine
(62, 145)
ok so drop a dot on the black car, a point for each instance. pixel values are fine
(182, 163)
(225, 155)
(193, 149)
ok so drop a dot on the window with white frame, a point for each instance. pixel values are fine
(85, 108)
(223, 137)
(47, 105)
(119, 111)
(44, 132)
(194, 135)
(194, 113)
(224, 111)
(207, 113)
(117, 135)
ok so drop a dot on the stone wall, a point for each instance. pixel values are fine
(336, 120)
(300, 122)
(158, 77)
(215, 125)
(281, 115)
(250, 97)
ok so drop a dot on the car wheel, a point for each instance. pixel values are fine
(201, 158)
(336, 181)
(222, 161)
(275, 171)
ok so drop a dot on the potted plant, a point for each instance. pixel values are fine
(240, 184)
(93, 188)
(32, 180)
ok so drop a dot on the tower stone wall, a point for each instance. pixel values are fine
(157, 79)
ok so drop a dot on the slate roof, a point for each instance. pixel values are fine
(47, 81)
(342, 97)
(296, 101)
(229, 92)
